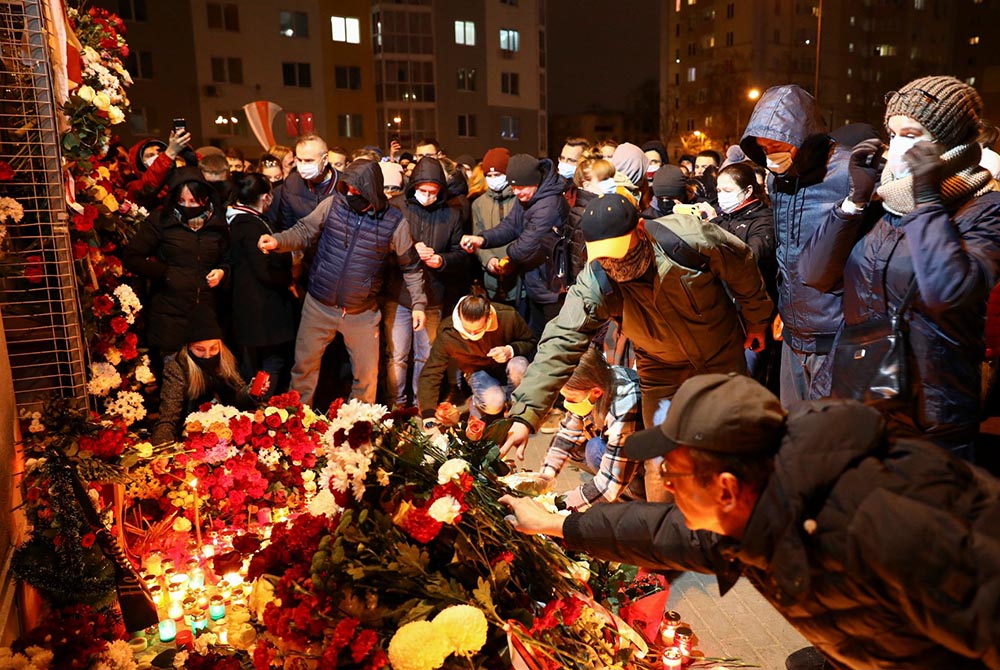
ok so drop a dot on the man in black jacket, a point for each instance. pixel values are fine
(882, 553)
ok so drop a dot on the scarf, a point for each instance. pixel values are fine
(963, 179)
(632, 265)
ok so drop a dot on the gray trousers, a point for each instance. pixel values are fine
(319, 325)
(799, 378)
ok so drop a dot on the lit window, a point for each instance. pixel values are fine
(974, 40)
(465, 33)
(510, 40)
(847, 98)
(885, 50)
(919, 4)
(293, 24)
(346, 29)
(692, 74)
(971, 81)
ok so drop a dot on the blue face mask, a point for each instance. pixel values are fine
(497, 183)
(566, 170)
(607, 186)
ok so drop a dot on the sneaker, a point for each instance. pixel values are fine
(551, 423)
(807, 658)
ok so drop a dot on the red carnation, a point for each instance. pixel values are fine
(103, 305)
(6, 171)
(87, 541)
(80, 249)
(119, 325)
(84, 222)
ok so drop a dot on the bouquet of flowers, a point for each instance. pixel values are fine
(71, 638)
(405, 558)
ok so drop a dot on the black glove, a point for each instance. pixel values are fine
(862, 170)
(926, 168)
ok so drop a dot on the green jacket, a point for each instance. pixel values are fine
(700, 324)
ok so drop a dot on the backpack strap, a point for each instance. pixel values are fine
(609, 290)
(678, 250)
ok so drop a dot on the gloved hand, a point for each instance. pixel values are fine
(926, 168)
(862, 170)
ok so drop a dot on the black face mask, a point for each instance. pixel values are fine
(276, 184)
(358, 203)
(665, 205)
(208, 365)
(188, 213)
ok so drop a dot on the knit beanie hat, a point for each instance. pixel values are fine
(496, 159)
(203, 324)
(670, 182)
(392, 174)
(522, 170)
(950, 109)
(467, 160)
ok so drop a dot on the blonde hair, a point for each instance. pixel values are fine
(228, 370)
(280, 151)
(592, 169)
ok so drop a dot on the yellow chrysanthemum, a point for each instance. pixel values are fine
(465, 628)
(418, 645)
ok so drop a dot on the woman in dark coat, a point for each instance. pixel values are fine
(745, 211)
(263, 304)
(938, 225)
(182, 250)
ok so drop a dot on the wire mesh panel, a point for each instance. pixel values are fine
(38, 291)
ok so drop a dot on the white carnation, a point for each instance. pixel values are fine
(451, 469)
(445, 509)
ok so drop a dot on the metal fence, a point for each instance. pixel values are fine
(39, 301)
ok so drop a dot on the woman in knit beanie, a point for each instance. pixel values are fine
(921, 213)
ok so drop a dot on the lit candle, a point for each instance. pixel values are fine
(208, 551)
(185, 639)
(668, 626)
(264, 516)
(672, 659)
(166, 565)
(234, 579)
(154, 563)
(198, 622)
(168, 630)
(217, 608)
(175, 611)
(684, 640)
(177, 587)
(137, 644)
(223, 635)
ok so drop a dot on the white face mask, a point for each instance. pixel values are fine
(566, 170)
(497, 183)
(425, 198)
(606, 187)
(152, 159)
(729, 201)
(310, 170)
(898, 146)
(779, 162)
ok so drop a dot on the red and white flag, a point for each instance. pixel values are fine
(260, 114)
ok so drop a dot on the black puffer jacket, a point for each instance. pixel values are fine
(176, 260)
(883, 555)
(754, 225)
(801, 199)
(532, 229)
(439, 226)
(956, 259)
(296, 198)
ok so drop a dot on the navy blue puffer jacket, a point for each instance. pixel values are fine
(532, 229)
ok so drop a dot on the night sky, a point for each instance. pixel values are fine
(599, 53)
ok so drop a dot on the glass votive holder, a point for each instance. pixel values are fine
(672, 659)
(199, 622)
(217, 608)
(168, 630)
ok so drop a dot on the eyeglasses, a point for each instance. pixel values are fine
(924, 97)
(668, 475)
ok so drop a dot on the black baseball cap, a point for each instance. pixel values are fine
(607, 224)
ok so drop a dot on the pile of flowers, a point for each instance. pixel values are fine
(100, 102)
(72, 637)
(403, 558)
(236, 467)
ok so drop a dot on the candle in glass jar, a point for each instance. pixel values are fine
(672, 659)
(668, 626)
(185, 638)
(177, 588)
(166, 565)
(198, 622)
(154, 563)
(168, 630)
(684, 640)
(217, 608)
(175, 611)
(208, 551)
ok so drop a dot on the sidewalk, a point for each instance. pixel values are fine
(741, 625)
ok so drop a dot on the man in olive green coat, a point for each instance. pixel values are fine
(666, 280)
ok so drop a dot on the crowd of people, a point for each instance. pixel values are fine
(582, 295)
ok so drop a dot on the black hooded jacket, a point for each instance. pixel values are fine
(882, 553)
(533, 229)
(176, 260)
(439, 226)
(754, 225)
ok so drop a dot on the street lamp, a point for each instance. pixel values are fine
(753, 94)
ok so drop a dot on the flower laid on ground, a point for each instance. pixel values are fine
(72, 637)
(127, 405)
(104, 378)
(128, 301)
(10, 210)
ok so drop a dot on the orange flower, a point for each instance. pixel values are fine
(475, 428)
